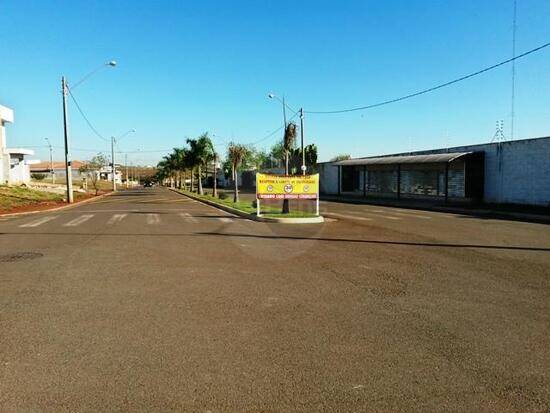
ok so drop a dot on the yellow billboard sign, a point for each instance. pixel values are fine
(287, 187)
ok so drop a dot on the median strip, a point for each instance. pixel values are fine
(247, 210)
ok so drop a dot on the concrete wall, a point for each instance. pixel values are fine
(515, 171)
(19, 172)
(328, 178)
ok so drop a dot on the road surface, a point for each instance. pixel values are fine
(149, 301)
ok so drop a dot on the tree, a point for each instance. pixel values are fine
(236, 153)
(259, 160)
(92, 167)
(277, 153)
(341, 157)
(200, 153)
(288, 145)
(179, 161)
(310, 158)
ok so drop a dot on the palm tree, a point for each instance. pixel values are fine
(236, 154)
(170, 167)
(215, 172)
(200, 154)
(288, 145)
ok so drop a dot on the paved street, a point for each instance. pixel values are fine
(149, 301)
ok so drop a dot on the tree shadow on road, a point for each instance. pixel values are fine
(367, 241)
(291, 238)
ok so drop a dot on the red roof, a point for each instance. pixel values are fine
(45, 166)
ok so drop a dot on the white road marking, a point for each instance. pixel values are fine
(408, 214)
(78, 221)
(374, 215)
(116, 218)
(153, 219)
(38, 222)
(348, 216)
(225, 220)
(187, 216)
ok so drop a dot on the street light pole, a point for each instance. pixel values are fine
(126, 162)
(51, 160)
(68, 161)
(113, 169)
(302, 141)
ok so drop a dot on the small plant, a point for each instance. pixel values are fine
(222, 195)
(255, 204)
(38, 177)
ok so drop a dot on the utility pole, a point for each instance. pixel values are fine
(113, 169)
(302, 141)
(51, 161)
(215, 190)
(126, 162)
(68, 161)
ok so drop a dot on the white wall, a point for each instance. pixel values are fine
(515, 171)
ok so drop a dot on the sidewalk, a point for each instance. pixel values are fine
(537, 215)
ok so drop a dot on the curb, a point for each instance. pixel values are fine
(505, 215)
(68, 206)
(235, 211)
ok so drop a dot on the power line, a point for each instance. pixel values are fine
(85, 117)
(270, 134)
(431, 89)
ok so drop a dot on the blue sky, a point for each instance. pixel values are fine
(185, 67)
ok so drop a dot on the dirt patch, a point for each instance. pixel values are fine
(43, 205)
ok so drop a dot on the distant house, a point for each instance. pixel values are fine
(57, 170)
(107, 175)
(19, 168)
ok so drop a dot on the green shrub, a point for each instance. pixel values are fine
(38, 177)
(222, 195)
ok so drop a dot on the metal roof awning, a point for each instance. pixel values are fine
(406, 159)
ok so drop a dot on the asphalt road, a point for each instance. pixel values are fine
(149, 301)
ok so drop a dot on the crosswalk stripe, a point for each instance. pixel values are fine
(377, 213)
(153, 219)
(38, 222)
(187, 216)
(116, 218)
(406, 214)
(349, 216)
(78, 221)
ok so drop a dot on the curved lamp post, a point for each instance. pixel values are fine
(64, 90)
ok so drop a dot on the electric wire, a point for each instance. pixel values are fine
(85, 117)
(431, 89)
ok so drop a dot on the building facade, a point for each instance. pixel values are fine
(14, 168)
(6, 116)
(511, 172)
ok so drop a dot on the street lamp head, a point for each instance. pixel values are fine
(112, 63)
(270, 95)
(133, 131)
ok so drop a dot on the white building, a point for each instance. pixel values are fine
(14, 169)
(6, 116)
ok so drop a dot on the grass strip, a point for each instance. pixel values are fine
(248, 207)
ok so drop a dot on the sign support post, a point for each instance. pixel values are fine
(317, 205)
